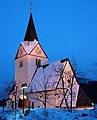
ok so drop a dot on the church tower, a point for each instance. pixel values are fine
(29, 57)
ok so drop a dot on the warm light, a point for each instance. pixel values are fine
(92, 103)
(24, 87)
(21, 97)
(85, 108)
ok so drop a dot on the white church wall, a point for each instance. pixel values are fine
(75, 87)
(32, 65)
(34, 97)
(37, 98)
(54, 99)
(58, 96)
(68, 77)
(21, 72)
(75, 90)
(51, 101)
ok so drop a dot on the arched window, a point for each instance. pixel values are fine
(20, 63)
(38, 62)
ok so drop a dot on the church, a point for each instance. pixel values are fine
(51, 85)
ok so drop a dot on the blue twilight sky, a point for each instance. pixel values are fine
(64, 28)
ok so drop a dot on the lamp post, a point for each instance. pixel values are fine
(23, 86)
(15, 96)
(23, 100)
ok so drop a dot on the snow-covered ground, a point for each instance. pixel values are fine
(60, 114)
(50, 114)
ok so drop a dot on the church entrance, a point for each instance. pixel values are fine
(23, 102)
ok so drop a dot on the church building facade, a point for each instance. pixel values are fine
(47, 85)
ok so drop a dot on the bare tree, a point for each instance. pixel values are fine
(4, 93)
(68, 91)
(62, 82)
(78, 72)
(65, 91)
(42, 88)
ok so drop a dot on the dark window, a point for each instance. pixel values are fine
(40, 96)
(38, 62)
(32, 105)
(21, 63)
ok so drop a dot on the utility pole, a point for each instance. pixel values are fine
(15, 101)
(23, 100)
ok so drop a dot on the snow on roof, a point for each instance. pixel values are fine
(46, 78)
(29, 45)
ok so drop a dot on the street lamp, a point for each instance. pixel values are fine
(15, 98)
(15, 101)
(23, 86)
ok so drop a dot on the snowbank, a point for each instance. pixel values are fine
(50, 114)
(61, 114)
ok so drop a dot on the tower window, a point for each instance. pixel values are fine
(38, 62)
(21, 63)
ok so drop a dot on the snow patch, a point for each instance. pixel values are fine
(28, 46)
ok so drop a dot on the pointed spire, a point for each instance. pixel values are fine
(30, 32)
(30, 7)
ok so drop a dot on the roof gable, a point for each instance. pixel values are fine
(38, 51)
(66, 74)
(29, 45)
(25, 48)
(21, 52)
(83, 99)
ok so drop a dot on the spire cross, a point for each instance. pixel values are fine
(30, 7)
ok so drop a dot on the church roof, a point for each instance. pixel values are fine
(46, 77)
(30, 32)
(83, 99)
(28, 46)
